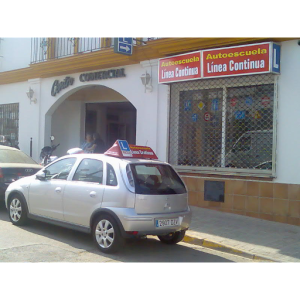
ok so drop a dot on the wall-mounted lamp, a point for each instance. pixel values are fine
(146, 79)
(30, 95)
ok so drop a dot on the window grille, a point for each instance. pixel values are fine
(217, 124)
(9, 124)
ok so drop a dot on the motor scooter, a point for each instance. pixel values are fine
(46, 153)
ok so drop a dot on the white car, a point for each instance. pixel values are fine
(124, 193)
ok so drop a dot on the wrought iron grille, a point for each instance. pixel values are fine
(223, 123)
(9, 124)
(43, 49)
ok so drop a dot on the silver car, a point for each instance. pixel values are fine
(112, 198)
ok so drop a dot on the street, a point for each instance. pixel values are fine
(41, 242)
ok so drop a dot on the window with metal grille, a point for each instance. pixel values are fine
(9, 124)
(223, 123)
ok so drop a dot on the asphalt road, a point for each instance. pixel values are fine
(40, 242)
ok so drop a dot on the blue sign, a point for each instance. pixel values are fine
(249, 100)
(194, 117)
(188, 105)
(239, 115)
(123, 46)
(276, 58)
(124, 145)
(215, 104)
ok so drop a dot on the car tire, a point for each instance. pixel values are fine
(17, 211)
(172, 238)
(106, 234)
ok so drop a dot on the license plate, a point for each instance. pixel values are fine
(167, 222)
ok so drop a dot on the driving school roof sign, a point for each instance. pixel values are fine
(122, 149)
(221, 62)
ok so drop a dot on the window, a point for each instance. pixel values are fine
(111, 178)
(222, 123)
(60, 169)
(89, 170)
(14, 156)
(9, 124)
(156, 179)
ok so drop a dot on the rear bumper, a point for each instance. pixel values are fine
(146, 224)
(3, 187)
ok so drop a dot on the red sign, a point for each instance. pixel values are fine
(250, 59)
(233, 102)
(135, 152)
(142, 152)
(265, 101)
(180, 67)
(207, 116)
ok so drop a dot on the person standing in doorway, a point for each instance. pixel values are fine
(89, 141)
(98, 144)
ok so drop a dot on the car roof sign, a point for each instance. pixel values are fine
(122, 149)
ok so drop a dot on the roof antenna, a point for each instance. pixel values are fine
(146, 143)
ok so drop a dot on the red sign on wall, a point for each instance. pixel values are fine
(250, 59)
(221, 62)
(180, 67)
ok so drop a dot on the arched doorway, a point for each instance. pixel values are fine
(93, 109)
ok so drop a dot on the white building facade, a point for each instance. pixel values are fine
(113, 101)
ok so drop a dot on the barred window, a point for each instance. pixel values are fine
(9, 124)
(223, 123)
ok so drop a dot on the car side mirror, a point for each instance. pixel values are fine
(41, 175)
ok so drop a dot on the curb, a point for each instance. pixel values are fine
(219, 247)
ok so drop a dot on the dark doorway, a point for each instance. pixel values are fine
(112, 120)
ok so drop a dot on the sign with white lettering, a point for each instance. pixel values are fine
(180, 67)
(221, 62)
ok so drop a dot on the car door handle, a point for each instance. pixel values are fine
(93, 194)
(58, 190)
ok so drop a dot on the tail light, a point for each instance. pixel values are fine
(1, 174)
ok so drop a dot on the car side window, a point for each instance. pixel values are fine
(61, 169)
(89, 170)
(111, 178)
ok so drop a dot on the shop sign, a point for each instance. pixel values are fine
(180, 67)
(58, 86)
(221, 62)
(250, 59)
(114, 73)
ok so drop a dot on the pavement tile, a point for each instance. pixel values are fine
(273, 240)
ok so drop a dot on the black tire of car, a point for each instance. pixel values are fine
(172, 238)
(118, 240)
(23, 216)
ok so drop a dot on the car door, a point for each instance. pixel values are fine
(45, 196)
(83, 194)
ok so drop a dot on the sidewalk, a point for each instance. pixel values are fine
(245, 236)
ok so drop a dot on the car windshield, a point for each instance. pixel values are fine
(156, 179)
(15, 156)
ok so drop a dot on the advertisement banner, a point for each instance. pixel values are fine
(221, 62)
(180, 67)
(250, 59)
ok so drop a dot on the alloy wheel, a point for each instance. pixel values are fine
(105, 234)
(15, 210)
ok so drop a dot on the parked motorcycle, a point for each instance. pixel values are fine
(46, 153)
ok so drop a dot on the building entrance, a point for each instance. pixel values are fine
(112, 120)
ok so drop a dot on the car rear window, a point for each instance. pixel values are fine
(156, 179)
(15, 156)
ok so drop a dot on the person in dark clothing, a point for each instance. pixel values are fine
(98, 144)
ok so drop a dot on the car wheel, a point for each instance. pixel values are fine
(17, 211)
(172, 238)
(106, 234)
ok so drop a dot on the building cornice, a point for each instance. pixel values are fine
(106, 58)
